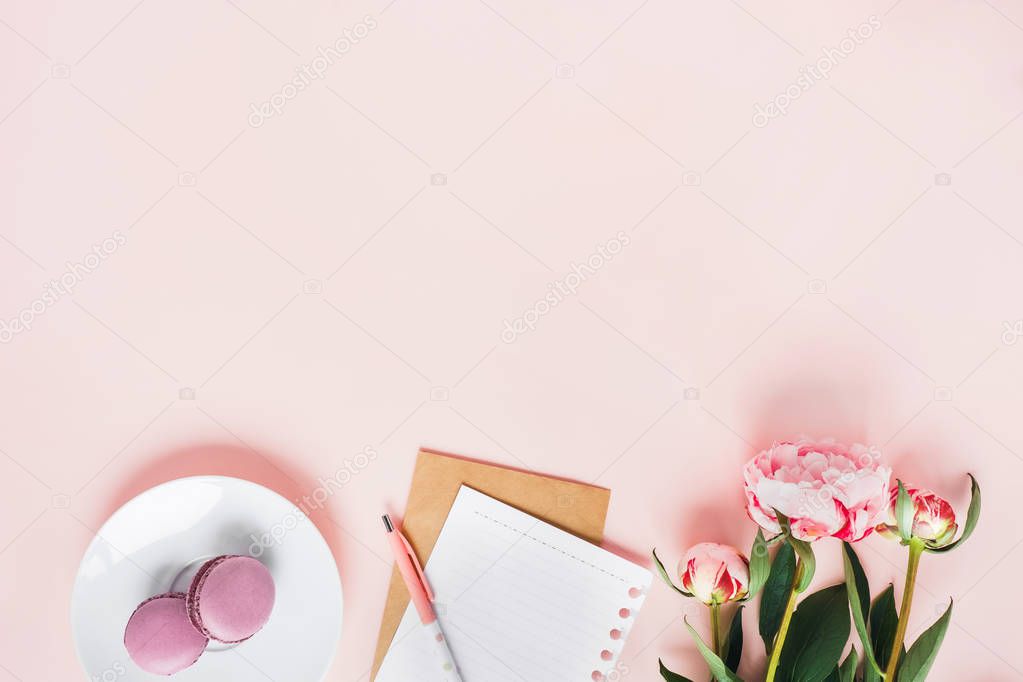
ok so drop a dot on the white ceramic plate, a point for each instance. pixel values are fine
(152, 544)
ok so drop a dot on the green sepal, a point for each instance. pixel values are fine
(666, 578)
(972, 516)
(905, 512)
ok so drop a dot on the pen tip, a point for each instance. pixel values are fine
(387, 523)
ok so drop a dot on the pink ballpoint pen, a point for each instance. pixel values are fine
(422, 597)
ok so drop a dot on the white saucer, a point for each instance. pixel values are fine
(155, 541)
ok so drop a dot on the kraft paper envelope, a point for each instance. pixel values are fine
(575, 507)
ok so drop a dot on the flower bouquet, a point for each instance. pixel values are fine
(799, 492)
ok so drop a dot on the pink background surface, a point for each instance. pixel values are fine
(290, 294)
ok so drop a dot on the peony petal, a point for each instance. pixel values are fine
(823, 487)
(784, 454)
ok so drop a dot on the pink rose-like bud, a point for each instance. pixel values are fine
(824, 488)
(934, 520)
(715, 573)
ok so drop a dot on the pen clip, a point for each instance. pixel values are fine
(418, 567)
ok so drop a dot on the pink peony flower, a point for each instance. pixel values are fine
(714, 573)
(934, 520)
(823, 487)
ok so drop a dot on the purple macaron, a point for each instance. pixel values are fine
(160, 637)
(231, 598)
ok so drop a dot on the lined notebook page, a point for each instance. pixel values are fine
(519, 600)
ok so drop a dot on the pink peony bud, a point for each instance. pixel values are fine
(823, 487)
(934, 520)
(715, 573)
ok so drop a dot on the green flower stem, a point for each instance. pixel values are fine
(916, 550)
(783, 631)
(715, 627)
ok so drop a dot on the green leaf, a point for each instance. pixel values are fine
(759, 565)
(883, 621)
(905, 512)
(666, 578)
(732, 646)
(817, 636)
(847, 672)
(670, 676)
(856, 581)
(776, 594)
(859, 601)
(717, 667)
(921, 655)
(972, 516)
(803, 549)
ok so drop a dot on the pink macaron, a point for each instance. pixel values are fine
(160, 637)
(231, 598)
